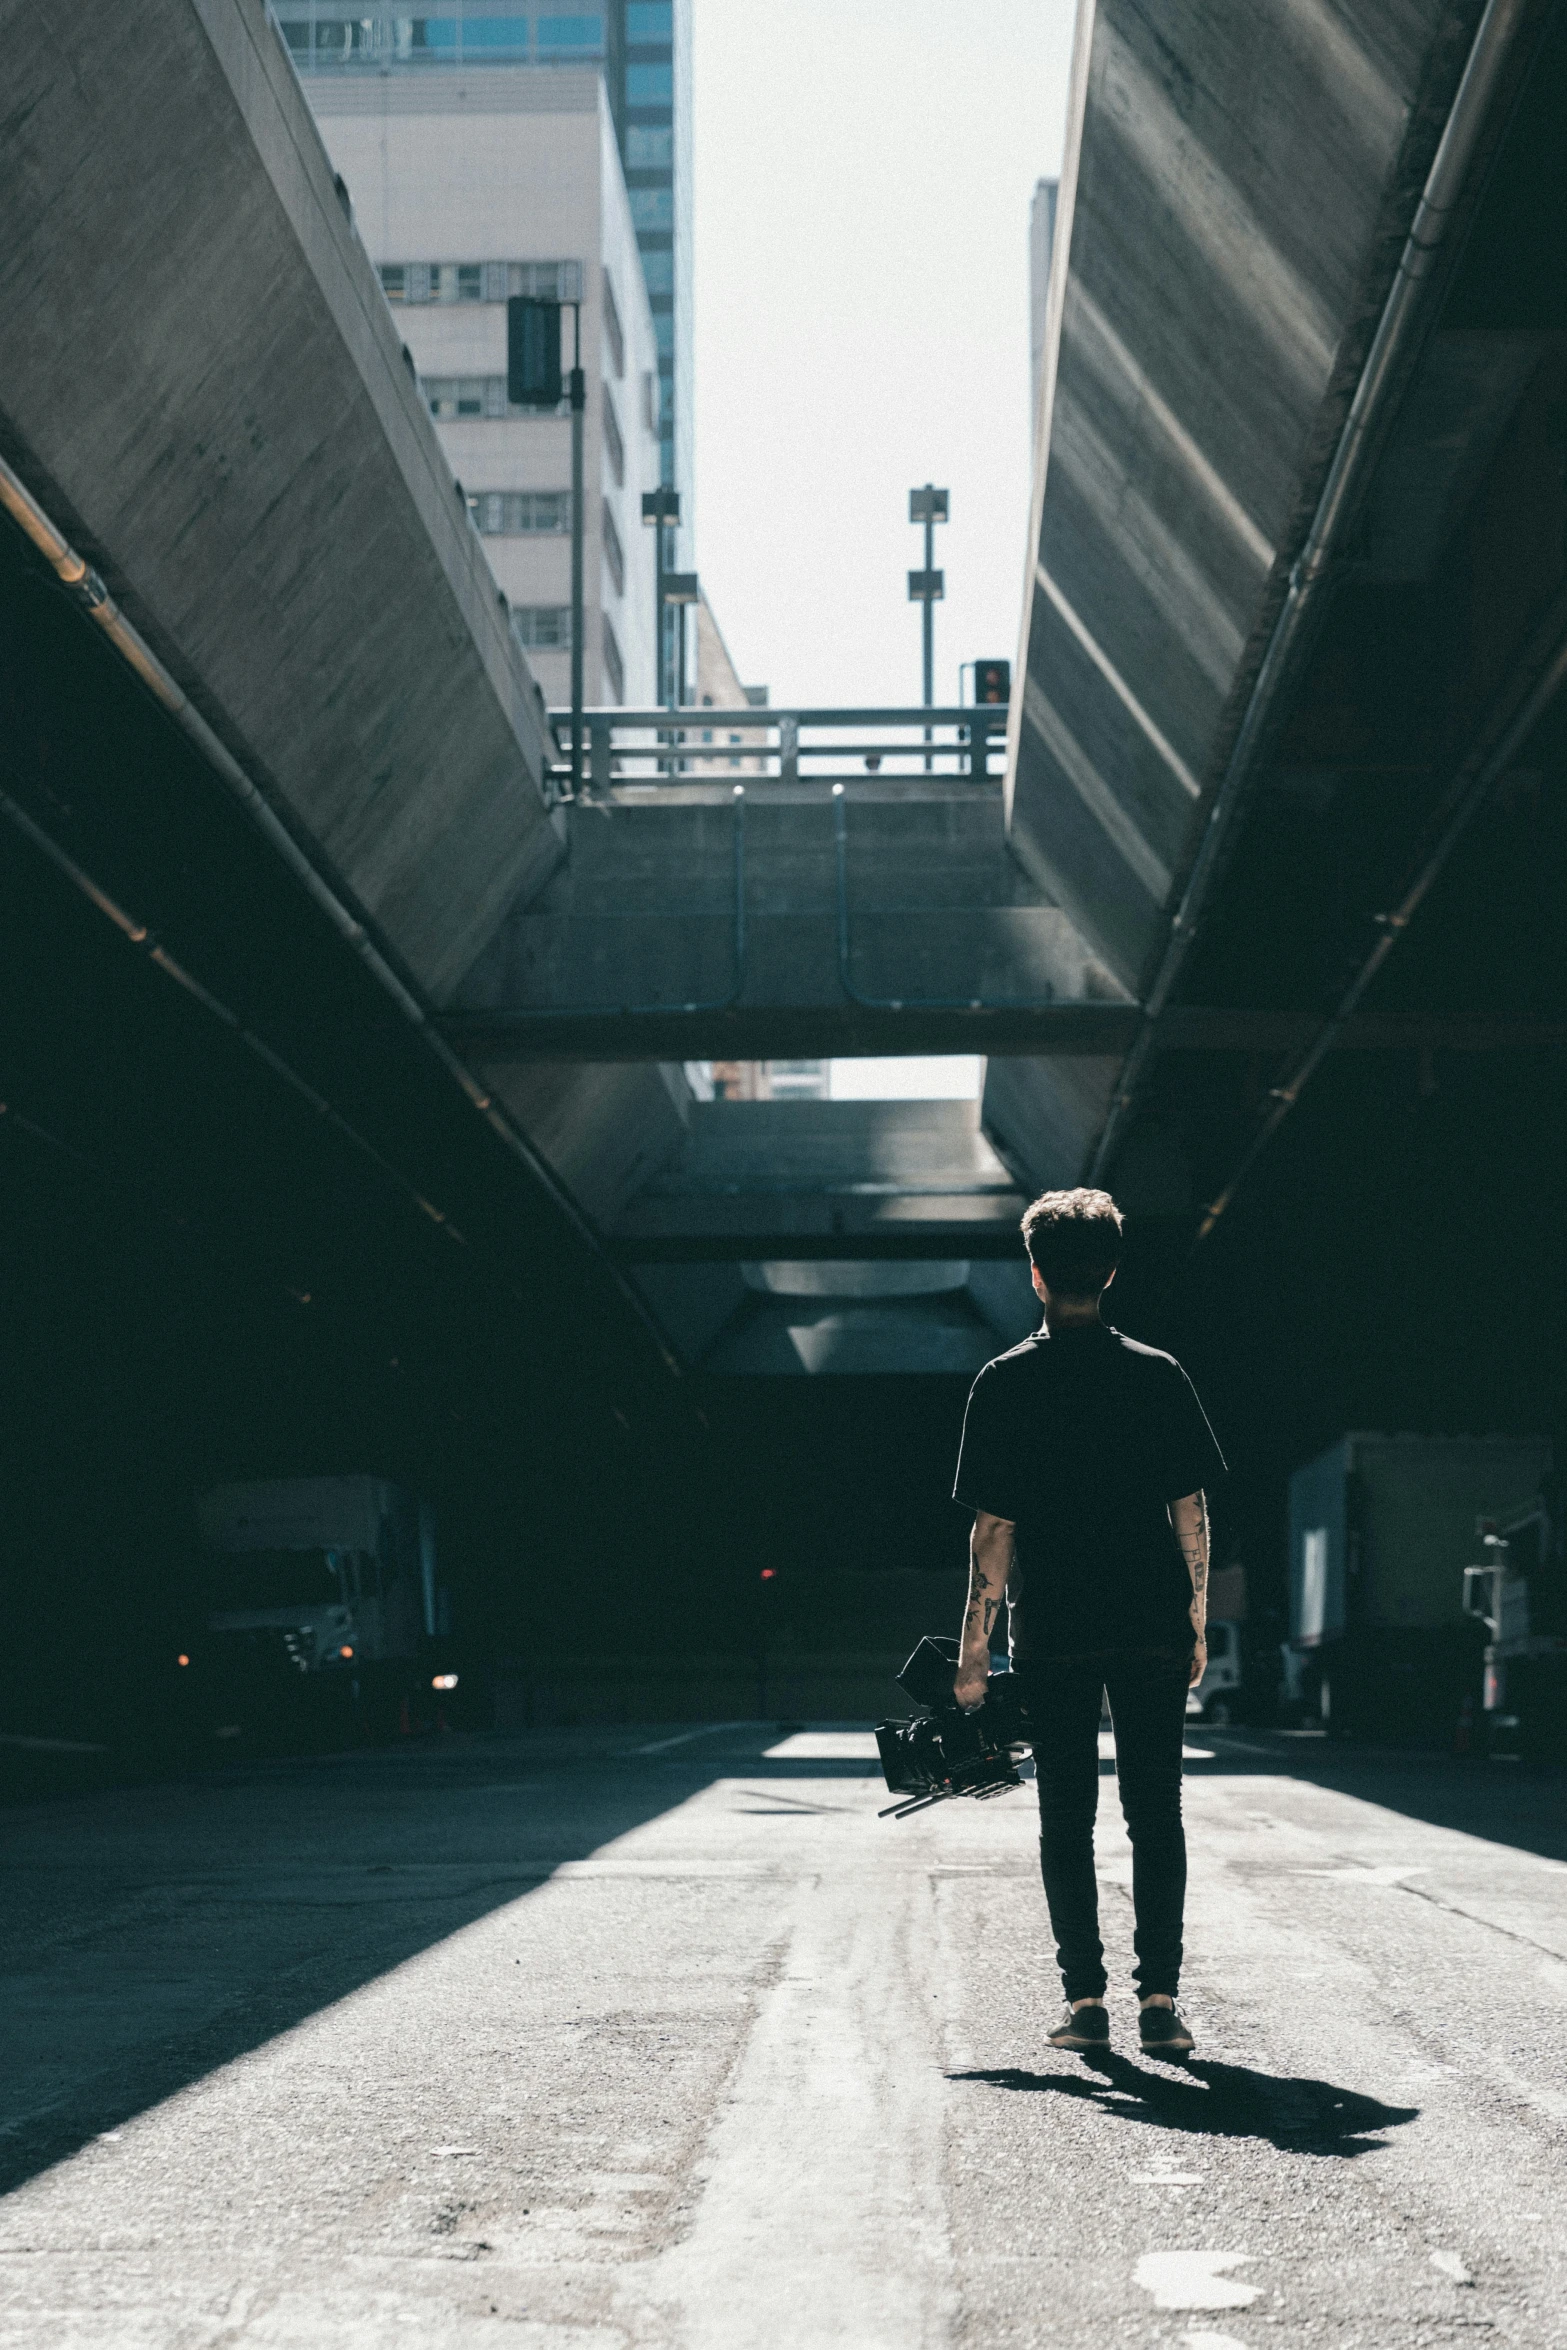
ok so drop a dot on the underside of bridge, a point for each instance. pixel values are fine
(345, 1118)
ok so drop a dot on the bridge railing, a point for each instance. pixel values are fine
(815, 749)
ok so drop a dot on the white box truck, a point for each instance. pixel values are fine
(321, 1596)
(1381, 1527)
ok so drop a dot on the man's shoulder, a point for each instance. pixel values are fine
(1013, 1366)
(1141, 1354)
(1017, 1362)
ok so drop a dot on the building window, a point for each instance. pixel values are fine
(614, 446)
(650, 85)
(451, 396)
(480, 281)
(649, 147)
(507, 514)
(664, 331)
(649, 20)
(570, 36)
(614, 667)
(653, 207)
(493, 40)
(614, 333)
(614, 552)
(542, 628)
(659, 271)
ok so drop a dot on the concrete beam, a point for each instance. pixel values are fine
(201, 382)
(1058, 1032)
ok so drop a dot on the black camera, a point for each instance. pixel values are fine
(946, 1751)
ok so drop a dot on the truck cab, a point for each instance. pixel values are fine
(320, 1594)
(1518, 1591)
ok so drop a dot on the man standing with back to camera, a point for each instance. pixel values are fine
(1086, 1459)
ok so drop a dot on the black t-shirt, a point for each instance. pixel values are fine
(1081, 1440)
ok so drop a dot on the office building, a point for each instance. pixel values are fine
(643, 50)
(469, 188)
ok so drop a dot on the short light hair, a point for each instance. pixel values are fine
(1074, 1239)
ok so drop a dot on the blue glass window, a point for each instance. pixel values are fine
(650, 20)
(653, 207)
(664, 329)
(659, 270)
(576, 36)
(649, 147)
(487, 37)
(650, 85)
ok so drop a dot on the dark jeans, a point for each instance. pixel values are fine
(1147, 1692)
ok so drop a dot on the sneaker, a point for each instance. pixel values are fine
(1162, 2032)
(1082, 2027)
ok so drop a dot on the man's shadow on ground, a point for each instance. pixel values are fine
(1219, 2101)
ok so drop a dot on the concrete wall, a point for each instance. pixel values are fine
(642, 913)
(200, 379)
(1238, 183)
(519, 164)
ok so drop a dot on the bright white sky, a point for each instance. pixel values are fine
(863, 175)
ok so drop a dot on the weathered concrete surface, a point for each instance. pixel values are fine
(662, 2039)
(606, 1127)
(642, 916)
(1238, 184)
(201, 381)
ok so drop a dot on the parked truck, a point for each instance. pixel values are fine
(321, 1608)
(1379, 1527)
(1518, 1591)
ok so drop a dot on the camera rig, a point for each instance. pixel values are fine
(945, 1751)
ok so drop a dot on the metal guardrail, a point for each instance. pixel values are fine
(820, 748)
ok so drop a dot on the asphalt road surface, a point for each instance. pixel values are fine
(592, 2040)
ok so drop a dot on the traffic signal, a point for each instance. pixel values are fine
(532, 353)
(992, 681)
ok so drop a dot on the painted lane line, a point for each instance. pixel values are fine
(1452, 2266)
(1194, 2280)
(1205, 2341)
(684, 1737)
(1166, 2178)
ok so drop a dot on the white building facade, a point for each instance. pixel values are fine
(468, 189)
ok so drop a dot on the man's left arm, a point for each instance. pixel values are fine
(1189, 1517)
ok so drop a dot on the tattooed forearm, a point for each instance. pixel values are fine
(990, 1562)
(1189, 1517)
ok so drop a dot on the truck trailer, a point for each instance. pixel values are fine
(1380, 1528)
(320, 1607)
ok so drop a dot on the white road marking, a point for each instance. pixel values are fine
(825, 1746)
(1166, 2178)
(1193, 2280)
(1378, 1875)
(1188, 1753)
(1207, 2341)
(1452, 2266)
(684, 1737)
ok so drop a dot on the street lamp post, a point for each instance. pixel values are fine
(681, 588)
(660, 509)
(579, 401)
(927, 587)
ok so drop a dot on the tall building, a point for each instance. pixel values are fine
(468, 189)
(1041, 241)
(643, 50)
